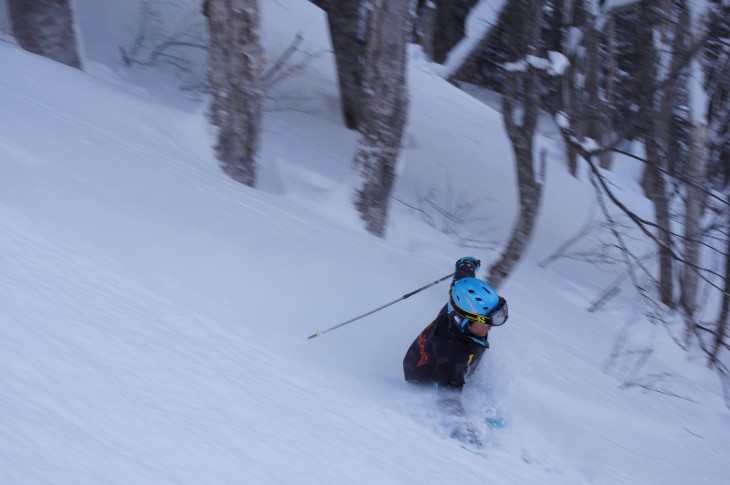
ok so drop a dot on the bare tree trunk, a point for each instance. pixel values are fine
(236, 64)
(346, 31)
(584, 105)
(722, 321)
(606, 157)
(530, 198)
(591, 69)
(654, 122)
(656, 191)
(425, 26)
(717, 75)
(384, 110)
(717, 87)
(449, 29)
(695, 205)
(45, 27)
(555, 41)
(572, 89)
(520, 110)
(575, 108)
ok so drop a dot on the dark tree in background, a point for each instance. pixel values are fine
(652, 125)
(439, 26)
(520, 109)
(449, 26)
(385, 103)
(347, 30)
(235, 72)
(46, 28)
(716, 63)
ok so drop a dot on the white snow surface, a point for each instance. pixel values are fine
(154, 313)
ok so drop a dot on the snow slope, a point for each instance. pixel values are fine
(154, 314)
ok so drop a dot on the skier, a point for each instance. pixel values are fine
(450, 347)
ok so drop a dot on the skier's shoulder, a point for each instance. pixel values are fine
(441, 322)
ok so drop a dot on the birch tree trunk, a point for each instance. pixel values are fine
(384, 110)
(722, 321)
(236, 64)
(346, 32)
(654, 122)
(46, 28)
(708, 90)
(656, 190)
(695, 206)
(717, 88)
(585, 105)
(607, 114)
(520, 108)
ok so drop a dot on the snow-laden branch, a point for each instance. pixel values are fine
(555, 64)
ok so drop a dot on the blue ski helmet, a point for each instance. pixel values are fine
(476, 300)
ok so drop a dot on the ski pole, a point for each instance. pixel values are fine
(407, 295)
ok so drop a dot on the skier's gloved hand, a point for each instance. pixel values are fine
(468, 261)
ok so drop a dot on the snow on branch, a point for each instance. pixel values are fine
(554, 65)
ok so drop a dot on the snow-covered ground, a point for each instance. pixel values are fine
(154, 313)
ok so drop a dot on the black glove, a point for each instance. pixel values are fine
(468, 262)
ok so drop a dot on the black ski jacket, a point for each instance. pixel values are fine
(442, 353)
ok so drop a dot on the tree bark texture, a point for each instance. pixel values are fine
(717, 85)
(654, 122)
(584, 105)
(554, 39)
(608, 111)
(722, 321)
(45, 27)
(425, 26)
(695, 206)
(235, 71)
(520, 109)
(345, 25)
(384, 110)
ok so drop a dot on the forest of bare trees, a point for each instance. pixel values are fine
(649, 72)
(653, 72)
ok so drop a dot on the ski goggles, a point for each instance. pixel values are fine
(496, 317)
